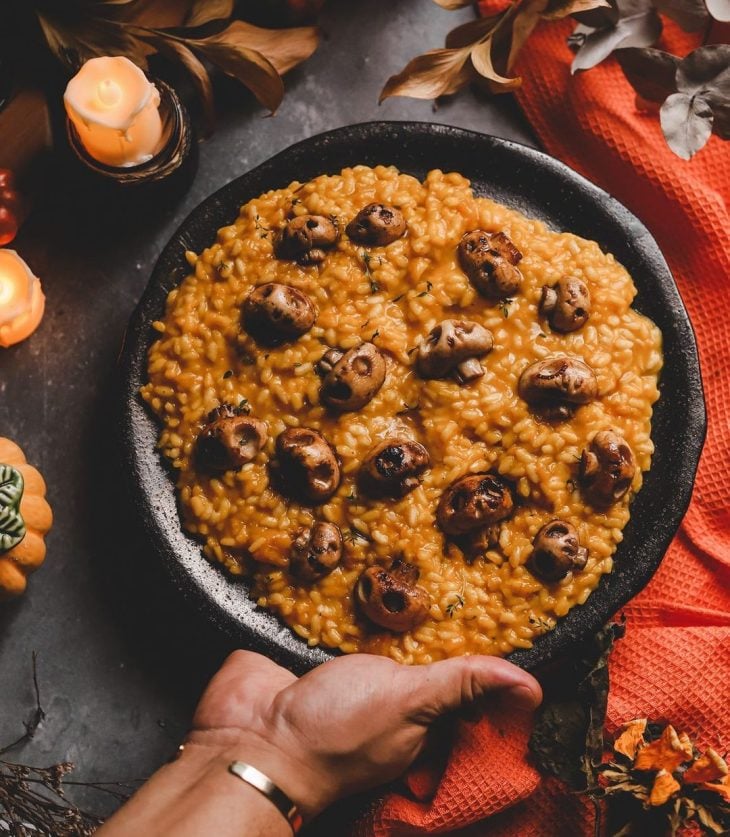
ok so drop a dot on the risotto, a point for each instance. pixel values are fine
(455, 504)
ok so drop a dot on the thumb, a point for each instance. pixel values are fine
(463, 681)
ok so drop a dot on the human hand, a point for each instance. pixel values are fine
(348, 725)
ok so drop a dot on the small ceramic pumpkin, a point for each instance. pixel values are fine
(25, 518)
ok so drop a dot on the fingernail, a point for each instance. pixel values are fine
(520, 697)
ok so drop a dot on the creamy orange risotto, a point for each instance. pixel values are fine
(491, 571)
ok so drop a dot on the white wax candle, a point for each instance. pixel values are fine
(21, 299)
(115, 110)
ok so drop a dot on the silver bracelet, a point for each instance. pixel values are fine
(254, 777)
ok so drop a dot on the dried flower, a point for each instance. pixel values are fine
(672, 784)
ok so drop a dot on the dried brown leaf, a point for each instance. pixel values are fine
(284, 48)
(90, 38)
(205, 11)
(438, 72)
(650, 72)
(176, 49)
(249, 66)
(481, 58)
(556, 9)
(471, 32)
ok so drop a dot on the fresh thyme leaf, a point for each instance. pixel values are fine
(399, 297)
(228, 373)
(457, 604)
(504, 305)
(352, 535)
(542, 334)
(366, 259)
(262, 228)
(376, 333)
(540, 622)
(223, 266)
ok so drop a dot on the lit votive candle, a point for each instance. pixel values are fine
(115, 111)
(21, 299)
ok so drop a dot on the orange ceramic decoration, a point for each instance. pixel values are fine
(25, 518)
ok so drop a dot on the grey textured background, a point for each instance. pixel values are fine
(111, 708)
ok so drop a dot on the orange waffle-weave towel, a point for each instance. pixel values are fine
(674, 662)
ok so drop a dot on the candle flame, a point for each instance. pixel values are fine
(109, 93)
(8, 290)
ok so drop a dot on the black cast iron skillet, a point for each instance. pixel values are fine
(520, 177)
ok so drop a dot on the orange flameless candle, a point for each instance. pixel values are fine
(115, 111)
(21, 299)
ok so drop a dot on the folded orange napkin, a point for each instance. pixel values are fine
(674, 662)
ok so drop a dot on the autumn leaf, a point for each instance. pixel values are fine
(558, 9)
(433, 74)
(480, 50)
(247, 65)
(74, 43)
(205, 11)
(638, 25)
(651, 72)
(695, 92)
(284, 48)
(172, 47)
(257, 56)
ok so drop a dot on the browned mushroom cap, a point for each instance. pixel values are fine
(376, 225)
(475, 543)
(328, 360)
(229, 440)
(567, 304)
(606, 468)
(557, 385)
(489, 260)
(473, 502)
(454, 347)
(316, 551)
(391, 598)
(307, 467)
(275, 313)
(306, 237)
(556, 551)
(394, 467)
(354, 379)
